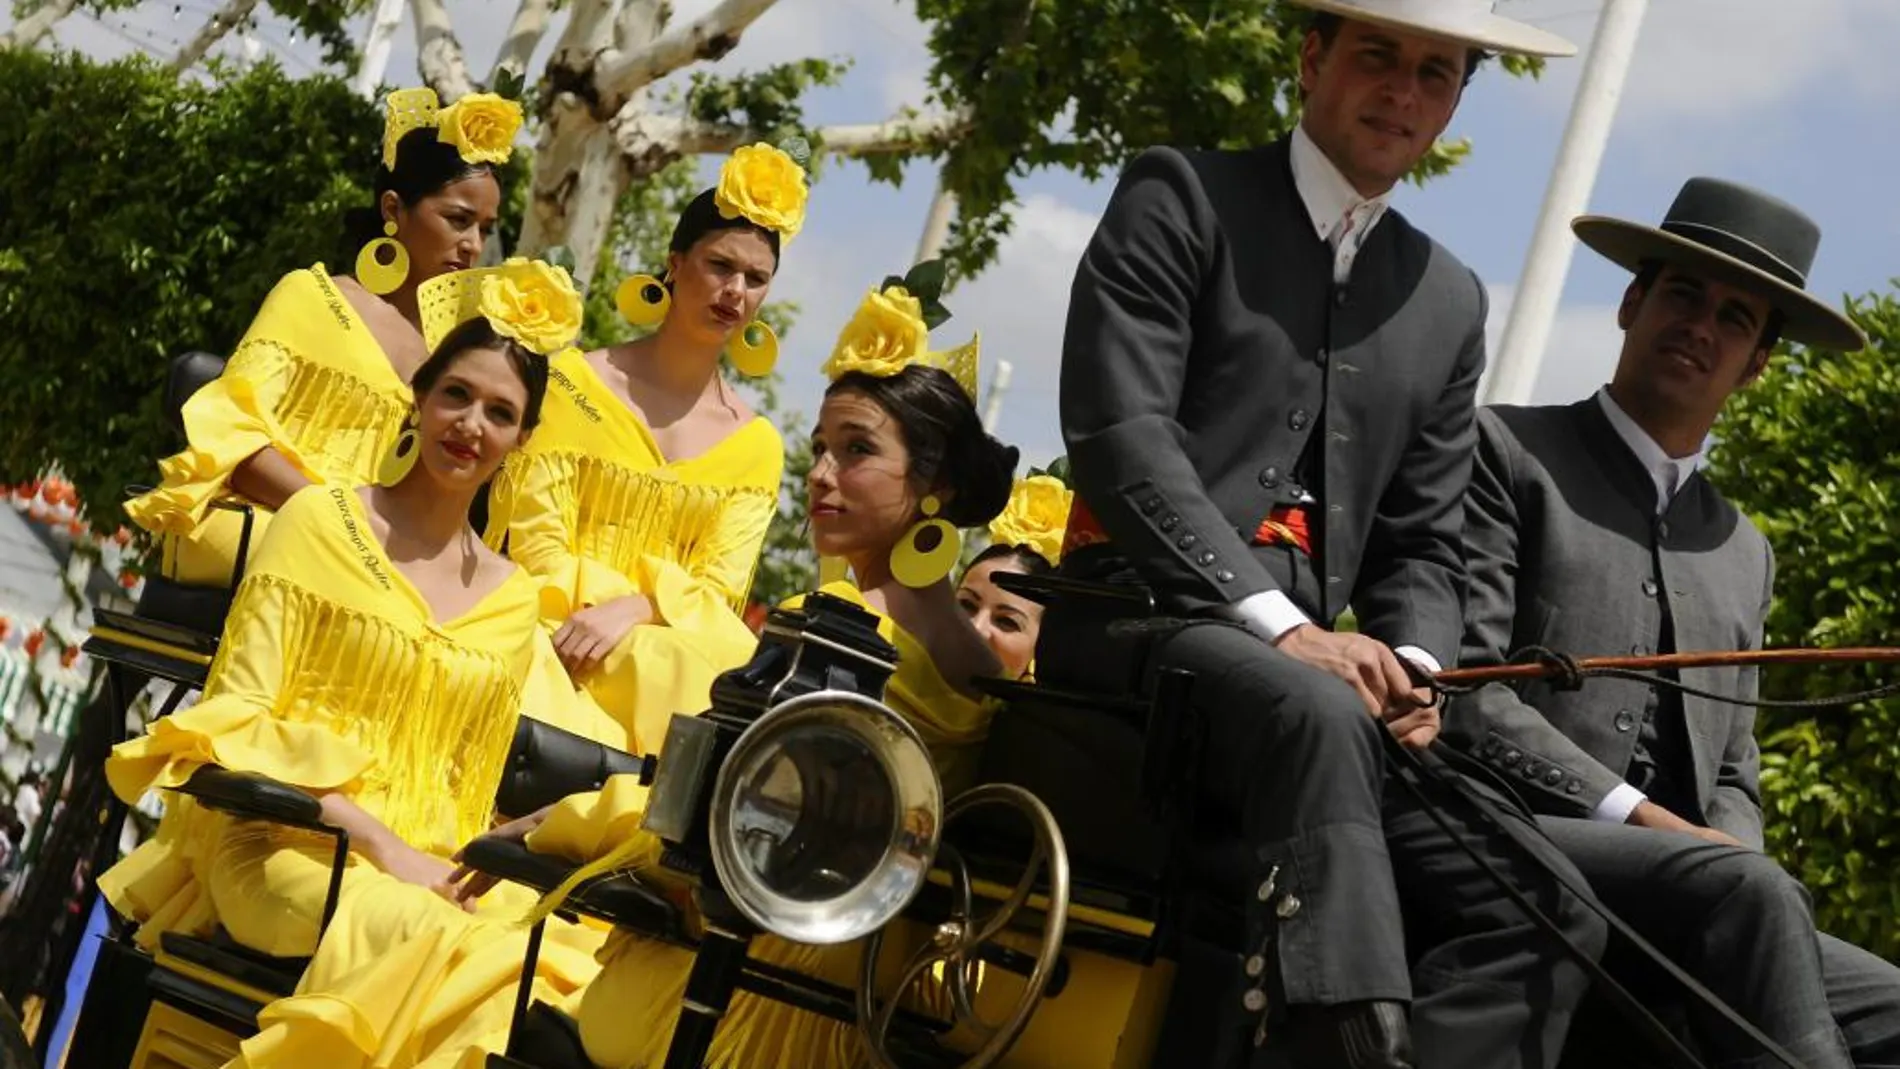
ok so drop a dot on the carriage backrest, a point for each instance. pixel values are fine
(188, 374)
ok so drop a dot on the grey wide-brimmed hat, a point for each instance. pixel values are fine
(1739, 236)
(1472, 23)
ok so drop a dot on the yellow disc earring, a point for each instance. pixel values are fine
(754, 350)
(643, 300)
(928, 550)
(376, 275)
(401, 458)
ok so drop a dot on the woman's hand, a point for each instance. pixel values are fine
(589, 635)
(465, 884)
(385, 849)
(410, 865)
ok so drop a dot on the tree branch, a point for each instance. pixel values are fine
(226, 19)
(707, 37)
(439, 54)
(653, 141)
(27, 32)
(529, 25)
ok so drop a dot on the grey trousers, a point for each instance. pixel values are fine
(1737, 922)
(1370, 898)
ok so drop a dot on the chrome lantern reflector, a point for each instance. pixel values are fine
(825, 817)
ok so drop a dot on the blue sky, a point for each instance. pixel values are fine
(1796, 98)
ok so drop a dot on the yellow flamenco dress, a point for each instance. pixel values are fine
(309, 380)
(334, 676)
(628, 1012)
(592, 506)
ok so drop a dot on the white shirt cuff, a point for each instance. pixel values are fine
(1421, 658)
(1268, 614)
(1617, 805)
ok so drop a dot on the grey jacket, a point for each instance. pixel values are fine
(1566, 552)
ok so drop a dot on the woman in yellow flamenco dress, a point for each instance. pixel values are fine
(645, 498)
(898, 447)
(374, 658)
(316, 390)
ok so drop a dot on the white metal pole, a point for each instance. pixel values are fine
(1521, 352)
(383, 23)
(993, 402)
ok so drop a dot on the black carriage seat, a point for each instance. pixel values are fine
(188, 374)
(198, 608)
(1115, 765)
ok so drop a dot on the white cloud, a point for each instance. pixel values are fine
(1728, 61)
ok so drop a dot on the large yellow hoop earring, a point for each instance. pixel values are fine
(375, 275)
(643, 300)
(928, 550)
(754, 350)
(401, 458)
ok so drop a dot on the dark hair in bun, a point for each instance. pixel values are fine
(946, 440)
(1030, 561)
(702, 217)
(425, 164)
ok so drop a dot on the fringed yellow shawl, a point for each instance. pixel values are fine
(333, 676)
(308, 379)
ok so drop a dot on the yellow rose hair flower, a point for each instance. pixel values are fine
(765, 186)
(1036, 517)
(481, 126)
(534, 303)
(885, 335)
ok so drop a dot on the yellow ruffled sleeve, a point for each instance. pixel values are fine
(231, 418)
(706, 593)
(240, 724)
(536, 510)
(584, 827)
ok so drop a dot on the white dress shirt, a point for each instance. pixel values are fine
(1669, 474)
(1343, 219)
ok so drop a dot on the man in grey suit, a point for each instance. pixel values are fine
(1267, 396)
(1590, 531)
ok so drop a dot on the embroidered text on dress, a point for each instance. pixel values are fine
(580, 399)
(333, 300)
(370, 560)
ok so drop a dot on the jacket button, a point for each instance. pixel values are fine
(1650, 588)
(1320, 358)
(1297, 419)
(1186, 542)
(1575, 786)
(1625, 720)
(1339, 296)
(1170, 521)
(1511, 758)
(1662, 530)
(1532, 768)
(1224, 576)
(1639, 650)
(1206, 557)
(1269, 477)
(1151, 506)
(1554, 776)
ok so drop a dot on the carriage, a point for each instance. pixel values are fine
(1073, 909)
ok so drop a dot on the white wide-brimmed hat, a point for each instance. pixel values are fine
(1472, 23)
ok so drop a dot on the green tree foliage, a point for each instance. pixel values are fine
(1084, 85)
(146, 217)
(1812, 453)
